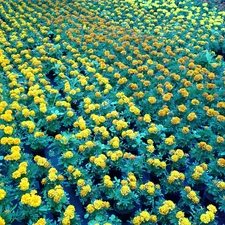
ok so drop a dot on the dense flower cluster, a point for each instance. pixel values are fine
(112, 106)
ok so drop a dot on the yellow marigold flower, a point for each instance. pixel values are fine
(182, 176)
(187, 189)
(195, 200)
(180, 214)
(147, 118)
(44, 181)
(153, 218)
(211, 215)
(26, 112)
(142, 187)
(170, 204)
(220, 139)
(85, 190)
(145, 216)
(60, 177)
(16, 141)
(2, 194)
(106, 204)
(221, 162)
(70, 169)
(98, 204)
(191, 116)
(182, 108)
(212, 208)
(77, 173)
(135, 110)
(169, 141)
(184, 221)
(68, 154)
(163, 165)
(205, 218)
(185, 130)
(220, 118)
(66, 221)
(125, 190)
(175, 120)
(38, 134)
(137, 220)
(35, 200)
(167, 96)
(174, 158)
(204, 166)
(24, 184)
(150, 148)
(2, 221)
(151, 190)
(90, 208)
(152, 100)
(180, 153)
(171, 179)
(208, 148)
(80, 182)
(70, 113)
(58, 137)
(52, 177)
(41, 221)
(8, 130)
(108, 183)
(163, 210)
(69, 212)
(25, 199)
(221, 185)
(195, 102)
(16, 174)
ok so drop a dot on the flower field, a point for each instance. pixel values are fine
(112, 112)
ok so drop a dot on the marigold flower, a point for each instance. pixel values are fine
(184, 221)
(180, 214)
(185, 130)
(212, 208)
(167, 96)
(80, 182)
(153, 218)
(125, 190)
(137, 220)
(2, 221)
(68, 154)
(8, 130)
(163, 210)
(90, 208)
(182, 108)
(41, 221)
(191, 116)
(98, 204)
(52, 176)
(147, 118)
(85, 190)
(77, 173)
(175, 120)
(24, 184)
(174, 158)
(205, 218)
(2, 194)
(221, 162)
(145, 216)
(169, 141)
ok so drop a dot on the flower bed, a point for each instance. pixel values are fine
(112, 112)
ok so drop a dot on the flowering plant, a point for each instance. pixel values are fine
(124, 193)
